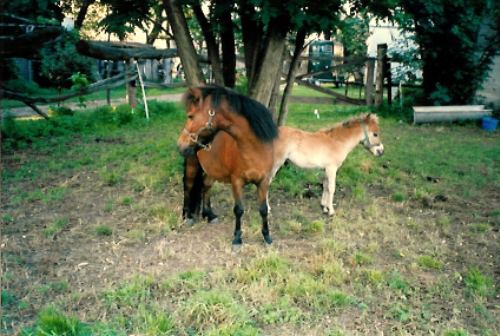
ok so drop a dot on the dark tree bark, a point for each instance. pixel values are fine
(82, 13)
(253, 33)
(212, 46)
(262, 86)
(223, 10)
(292, 73)
(185, 47)
(114, 51)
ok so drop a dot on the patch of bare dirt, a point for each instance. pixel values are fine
(90, 263)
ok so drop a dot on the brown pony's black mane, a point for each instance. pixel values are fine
(258, 116)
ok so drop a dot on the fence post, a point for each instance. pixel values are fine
(370, 69)
(109, 66)
(388, 76)
(379, 84)
(131, 86)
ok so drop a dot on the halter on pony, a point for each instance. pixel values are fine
(193, 136)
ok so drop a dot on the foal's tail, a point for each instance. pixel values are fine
(193, 183)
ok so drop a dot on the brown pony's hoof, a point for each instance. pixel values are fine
(237, 242)
(268, 239)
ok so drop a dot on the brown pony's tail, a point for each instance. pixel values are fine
(193, 183)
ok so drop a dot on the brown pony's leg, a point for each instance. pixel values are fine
(207, 207)
(237, 185)
(193, 181)
(262, 194)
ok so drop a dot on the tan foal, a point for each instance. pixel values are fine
(327, 149)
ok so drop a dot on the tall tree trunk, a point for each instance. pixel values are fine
(262, 86)
(273, 101)
(252, 32)
(185, 47)
(292, 73)
(224, 10)
(82, 13)
(212, 46)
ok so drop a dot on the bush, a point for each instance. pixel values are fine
(123, 114)
(60, 60)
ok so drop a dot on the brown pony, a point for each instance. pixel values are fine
(229, 138)
(327, 149)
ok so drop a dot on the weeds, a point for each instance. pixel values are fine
(209, 309)
(478, 284)
(281, 312)
(456, 332)
(55, 227)
(103, 230)
(429, 262)
(52, 322)
(398, 282)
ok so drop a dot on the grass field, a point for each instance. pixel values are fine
(93, 243)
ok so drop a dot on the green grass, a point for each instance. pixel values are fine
(103, 230)
(429, 262)
(52, 322)
(385, 259)
(55, 227)
(209, 311)
(478, 284)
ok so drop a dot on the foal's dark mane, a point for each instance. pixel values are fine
(258, 116)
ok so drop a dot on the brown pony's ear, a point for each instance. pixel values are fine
(192, 96)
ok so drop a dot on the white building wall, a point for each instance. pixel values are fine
(490, 94)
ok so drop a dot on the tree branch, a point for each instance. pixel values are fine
(109, 51)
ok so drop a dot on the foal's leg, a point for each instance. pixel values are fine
(207, 207)
(331, 173)
(324, 197)
(237, 186)
(262, 198)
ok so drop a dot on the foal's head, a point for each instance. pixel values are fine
(371, 134)
(200, 126)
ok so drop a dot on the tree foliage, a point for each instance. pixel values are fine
(126, 15)
(457, 41)
(60, 60)
(41, 11)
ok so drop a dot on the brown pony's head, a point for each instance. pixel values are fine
(199, 128)
(372, 140)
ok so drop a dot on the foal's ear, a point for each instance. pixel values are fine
(371, 117)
